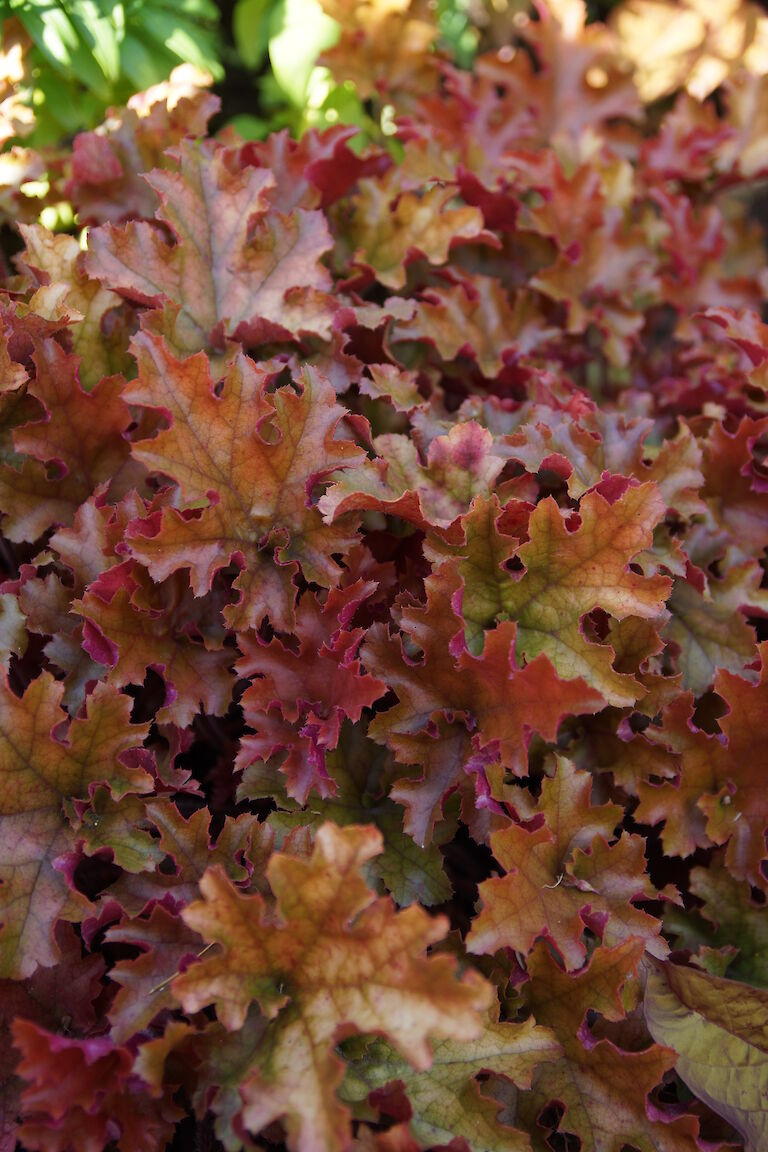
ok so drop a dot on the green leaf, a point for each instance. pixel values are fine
(183, 39)
(250, 27)
(728, 918)
(719, 1030)
(446, 1099)
(59, 42)
(89, 54)
(141, 61)
(100, 34)
(361, 772)
(117, 826)
(249, 127)
(304, 32)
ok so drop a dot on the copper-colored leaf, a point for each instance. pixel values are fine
(336, 961)
(248, 458)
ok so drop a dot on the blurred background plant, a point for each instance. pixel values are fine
(298, 64)
(301, 64)
(75, 59)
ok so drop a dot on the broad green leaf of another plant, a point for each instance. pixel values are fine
(250, 29)
(719, 1030)
(302, 32)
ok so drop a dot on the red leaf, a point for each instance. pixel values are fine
(81, 1094)
(313, 689)
(502, 704)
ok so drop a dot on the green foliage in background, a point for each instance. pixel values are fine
(281, 41)
(90, 54)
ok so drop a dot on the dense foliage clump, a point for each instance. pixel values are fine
(383, 586)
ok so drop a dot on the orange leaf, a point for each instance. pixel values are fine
(248, 458)
(333, 961)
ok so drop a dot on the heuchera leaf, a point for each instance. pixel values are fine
(248, 459)
(145, 982)
(738, 813)
(729, 917)
(568, 573)
(459, 467)
(190, 849)
(356, 789)
(709, 626)
(136, 625)
(253, 272)
(391, 226)
(746, 331)
(107, 181)
(447, 1101)
(677, 801)
(718, 796)
(383, 528)
(79, 434)
(13, 636)
(337, 961)
(98, 338)
(502, 704)
(603, 1089)
(314, 689)
(476, 319)
(584, 449)
(82, 1091)
(59, 998)
(562, 875)
(316, 169)
(40, 769)
(731, 486)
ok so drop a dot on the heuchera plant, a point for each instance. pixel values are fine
(382, 745)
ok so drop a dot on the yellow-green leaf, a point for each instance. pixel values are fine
(719, 1030)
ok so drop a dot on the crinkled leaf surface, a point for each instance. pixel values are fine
(569, 571)
(502, 703)
(40, 769)
(563, 875)
(729, 917)
(80, 435)
(247, 459)
(337, 960)
(384, 516)
(81, 1091)
(604, 1090)
(237, 264)
(358, 777)
(447, 1102)
(459, 466)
